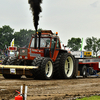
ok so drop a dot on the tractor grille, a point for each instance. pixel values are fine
(23, 52)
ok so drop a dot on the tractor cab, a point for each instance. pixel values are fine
(45, 41)
(44, 44)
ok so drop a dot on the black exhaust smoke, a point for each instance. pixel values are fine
(36, 9)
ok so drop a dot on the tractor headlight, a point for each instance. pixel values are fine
(26, 57)
(20, 57)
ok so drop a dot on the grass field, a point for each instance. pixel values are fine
(90, 98)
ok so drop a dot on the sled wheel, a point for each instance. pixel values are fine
(84, 71)
(90, 70)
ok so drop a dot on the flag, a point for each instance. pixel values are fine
(6, 46)
(81, 45)
(12, 43)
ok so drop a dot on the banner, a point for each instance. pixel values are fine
(12, 43)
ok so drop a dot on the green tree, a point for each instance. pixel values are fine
(74, 44)
(23, 37)
(92, 44)
(6, 35)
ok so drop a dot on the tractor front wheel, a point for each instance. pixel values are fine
(48, 68)
(45, 70)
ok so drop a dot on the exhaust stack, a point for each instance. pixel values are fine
(39, 40)
(35, 41)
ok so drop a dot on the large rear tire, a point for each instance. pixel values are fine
(56, 74)
(45, 70)
(65, 68)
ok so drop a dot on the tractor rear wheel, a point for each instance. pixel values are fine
(45, 70)
(65, 68)
(56, 74)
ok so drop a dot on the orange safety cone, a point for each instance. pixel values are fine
(19, 97)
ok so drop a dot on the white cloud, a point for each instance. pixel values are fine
(94, 4)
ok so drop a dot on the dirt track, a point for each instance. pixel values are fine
(50, 89)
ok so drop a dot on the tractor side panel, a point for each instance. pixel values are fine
(35, 53)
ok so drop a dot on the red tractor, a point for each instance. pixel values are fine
(43, 59)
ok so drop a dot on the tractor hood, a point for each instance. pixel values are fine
(30, 53)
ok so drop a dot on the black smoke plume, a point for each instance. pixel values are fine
(36, 9)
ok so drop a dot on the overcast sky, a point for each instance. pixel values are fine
(70, 18)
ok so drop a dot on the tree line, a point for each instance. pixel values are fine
(92, 44)
(23, 37)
